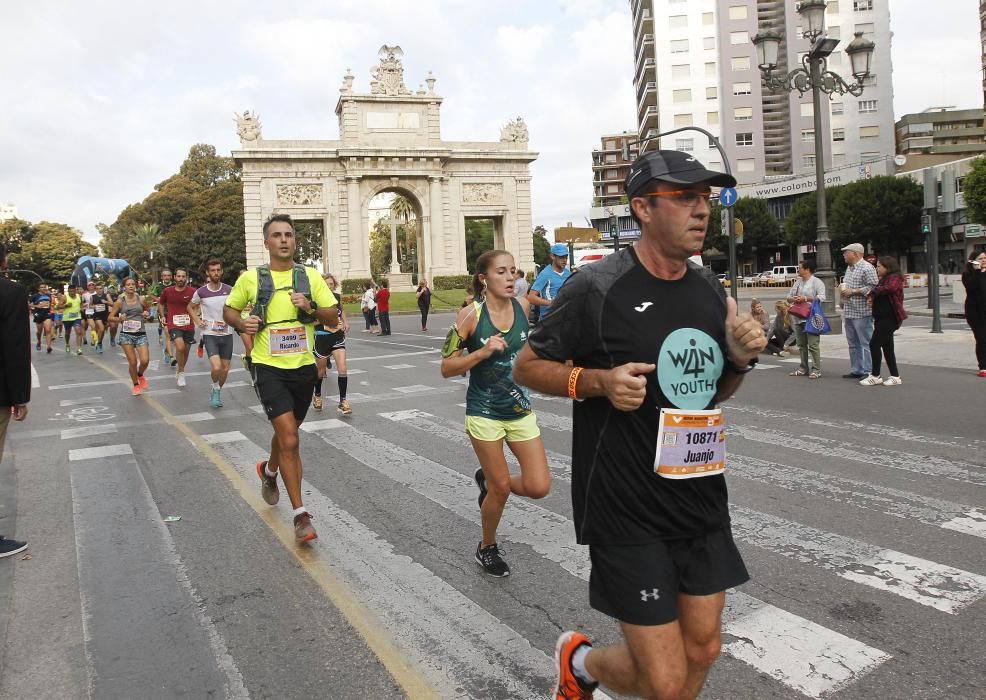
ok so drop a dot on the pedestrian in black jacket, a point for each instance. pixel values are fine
(974, 280)
(15, 367)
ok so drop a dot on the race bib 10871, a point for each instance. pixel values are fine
(690, 444)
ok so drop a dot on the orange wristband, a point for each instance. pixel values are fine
(573, 379)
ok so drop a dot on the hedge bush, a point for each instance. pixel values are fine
(449, 282)
(355, 285)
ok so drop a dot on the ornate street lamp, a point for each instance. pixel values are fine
(814, 76)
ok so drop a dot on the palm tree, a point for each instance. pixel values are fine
(145, 240)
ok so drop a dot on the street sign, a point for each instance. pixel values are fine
(727, 196)
(974, 230)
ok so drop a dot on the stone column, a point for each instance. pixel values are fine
(253, 222)
(359, 258)
(525, 227)
(434, 235)
(394, 265)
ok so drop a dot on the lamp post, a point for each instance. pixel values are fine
(814, 76)
(730, 218)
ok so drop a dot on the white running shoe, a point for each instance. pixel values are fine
(871, 381)
(181, 378)
(892, 381)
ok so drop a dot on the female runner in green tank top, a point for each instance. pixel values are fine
(494, 329)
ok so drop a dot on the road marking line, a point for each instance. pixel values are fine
(99, 452)
(413, 389)
(434, 624)
(926, 582)
(195, 417)
(550, 535)
(79, 402)
(398, 366)
(84, 431)
(926, 465)
(80, 385)
(403, 345)
(387, 357)
(377, 639)
(35, 382)
(973, 522)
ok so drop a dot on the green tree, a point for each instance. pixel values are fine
(14, 233)
(52, 251)
(801, 224)
(883, 212)
(479, 239)
(715, 238)
(760, 228)
(403, 212)
(309, 235)
(199, 212)
(380, 247)
(542, 256)
(974, 191)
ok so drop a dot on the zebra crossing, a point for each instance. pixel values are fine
(468, 636)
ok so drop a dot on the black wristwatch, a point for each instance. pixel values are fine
(736, 369)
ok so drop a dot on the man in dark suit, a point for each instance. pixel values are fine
(15, 359)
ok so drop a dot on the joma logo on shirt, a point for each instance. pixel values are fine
(692, 360)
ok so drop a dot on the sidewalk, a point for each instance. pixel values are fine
(916, 303)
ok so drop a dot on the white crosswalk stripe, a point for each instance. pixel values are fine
(837, 659)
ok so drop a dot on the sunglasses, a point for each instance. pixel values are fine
(688, 198)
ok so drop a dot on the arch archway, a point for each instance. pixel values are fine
(405, 263)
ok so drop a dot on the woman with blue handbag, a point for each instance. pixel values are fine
(806, 289)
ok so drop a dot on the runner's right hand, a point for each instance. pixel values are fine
(251, 325)
(626, 385)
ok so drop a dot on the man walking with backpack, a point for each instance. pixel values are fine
(287, 300)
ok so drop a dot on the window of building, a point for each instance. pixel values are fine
(737, 12)
(838, 134)
(612, 174)
(610, 145)
(807, 109)
(746, 165)
(870, 80)
(866, 28)
(612, 188)
(709, 43)
(686, 145)
(833, 7)
(682, 70)
(808, 160)
(712, 118)
(610, 157)
(742, 88)
(678, 21)
(743, 114)
(867, 106)
(862, 5)
(682, 120)
(708, 19)
(837, 108)
(710, 69)
(715, 165)
(740, 62)
(870, 156)
(684, 95)
(744, 138)
(711, 93)
(679, 46)
(869, 132)
(736, 38)
(807, 135)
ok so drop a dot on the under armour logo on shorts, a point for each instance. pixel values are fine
(653, 595)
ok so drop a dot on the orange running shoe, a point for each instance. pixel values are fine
(137, 389)
(143, 382)
(303, 530)
(569, 686)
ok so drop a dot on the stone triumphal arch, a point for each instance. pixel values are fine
(390, 141)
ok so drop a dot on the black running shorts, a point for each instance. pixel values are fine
(639, 584)
(283, 390)
(221, 345)
(325, 343)
(187, 336)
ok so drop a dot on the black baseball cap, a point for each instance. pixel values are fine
(671, 166)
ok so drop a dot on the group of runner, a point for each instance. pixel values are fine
(82, 313)
(646, 344)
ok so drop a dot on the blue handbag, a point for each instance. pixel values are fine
(817, 323)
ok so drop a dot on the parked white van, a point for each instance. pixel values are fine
(784, 274)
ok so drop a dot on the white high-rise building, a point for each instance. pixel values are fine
(696, 66)
(7, 211)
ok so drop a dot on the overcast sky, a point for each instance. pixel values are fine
(100, 100)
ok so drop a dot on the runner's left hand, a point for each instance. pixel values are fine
(745, 338)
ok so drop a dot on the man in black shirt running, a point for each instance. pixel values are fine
(655, 345)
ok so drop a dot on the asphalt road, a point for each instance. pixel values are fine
(861, 513)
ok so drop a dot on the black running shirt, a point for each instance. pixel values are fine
(613, 312)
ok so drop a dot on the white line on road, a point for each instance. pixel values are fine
(79, 402)
(413, 389)
(459, 645)
(973, 522)
(195, 417)
(837, 660)
(99, 452)
(926, 582)
(398, 366)
(88, 430)
(387, 357)
(35, 382)
(80, 385)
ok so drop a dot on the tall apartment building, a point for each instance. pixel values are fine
(982, 38)
(609, 168)
(7, 211)
(696, 66)
(942, 131)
